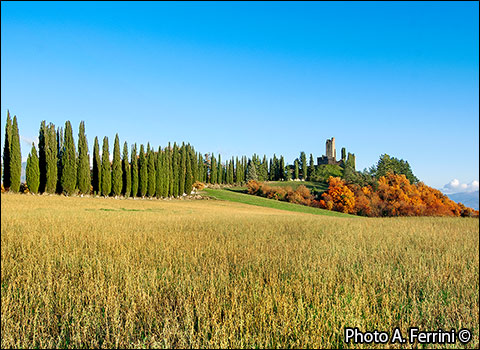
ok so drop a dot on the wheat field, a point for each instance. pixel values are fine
(104, 273)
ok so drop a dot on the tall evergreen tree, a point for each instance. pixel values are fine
(282, 168)
(151, 173)
(126, 172)
(175, 169)
(83, 169)
(213, 170)
(60, 151)
(134, 165)
(6, 152)
(183, 165)
(220, 170)
(106, 169)
(159, 173)
(68, 162)
(171, 176)
(344, 155)
(311, 167)
(188, 176)
(97, 168)
(51, 157)
(117, 176)
(251, 171)
(303, 163)
(42, 161)
(296, 173)
(142, 173)
(15, 158)
(33, 171)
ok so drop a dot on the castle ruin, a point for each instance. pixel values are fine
(330, 156)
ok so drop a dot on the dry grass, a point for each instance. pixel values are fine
(84, 272)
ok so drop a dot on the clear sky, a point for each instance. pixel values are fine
(238, 78)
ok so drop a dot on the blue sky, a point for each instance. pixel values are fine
(244, 78)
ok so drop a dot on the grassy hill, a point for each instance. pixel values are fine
(235, 195)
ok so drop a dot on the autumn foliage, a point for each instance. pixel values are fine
(393, 195)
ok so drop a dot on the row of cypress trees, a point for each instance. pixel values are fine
(12, 156)
(60, 167)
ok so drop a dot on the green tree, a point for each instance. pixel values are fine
(15, 158)
(344, 155)
(6, 152)
(188, 176)
(387, 164)
(142, 173)
(159, 174)
(68, 165)
(97, 169)
(134, 165)
(251, 171)
(126, 172)
(296, 173)
(83, 169)
(182, 173)
(282, 168)
(171, 175)
(117, 176)
(151, 173)
(33, 171)
(213, 170)
(51, 157)
(106, 169)
(303, 163)
(311, 168)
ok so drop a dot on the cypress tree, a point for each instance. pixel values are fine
(42, 161)
(220, 170)
(51, 158)
(183, 165)
(344, 155)
(311, 168)
(151, 171)
(296, 173)
(106, 169)
(117, 176)
(171, 175)
(251, 171)
(282, 168)
(188, 176)
(68, 162)
(33, 171)
(6, 152)
(176, 170)
(303, 163)
(15, 158)
(194, 165)
(142, 173)
(213, 170)
(159, 173)
(83, 169)
(97, 169)
(134, 165)
(126, 172)
(59, 159)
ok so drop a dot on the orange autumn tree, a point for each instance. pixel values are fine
(394, 196)
(338, 197)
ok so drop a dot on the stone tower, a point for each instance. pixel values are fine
(331, 152)
(330, 156)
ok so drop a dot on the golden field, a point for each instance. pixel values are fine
(103, 273)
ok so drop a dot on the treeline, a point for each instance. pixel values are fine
(59, 166)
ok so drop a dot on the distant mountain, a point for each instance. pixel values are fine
(469, 199)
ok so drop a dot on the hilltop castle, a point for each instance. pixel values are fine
(331, 154)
